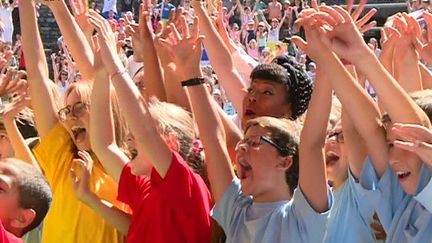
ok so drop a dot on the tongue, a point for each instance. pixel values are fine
(80, 136)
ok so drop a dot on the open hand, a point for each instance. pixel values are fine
(185, 47)
(416, 139)
(81, 181)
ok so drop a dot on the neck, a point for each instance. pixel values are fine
(277, 193)
(338, 182)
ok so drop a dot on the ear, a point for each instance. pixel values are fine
(23, 218)
(285, 163)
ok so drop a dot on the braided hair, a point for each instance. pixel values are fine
(299, 84)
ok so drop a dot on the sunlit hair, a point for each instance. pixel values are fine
(286, 134)
(84, 89)
(173, 119)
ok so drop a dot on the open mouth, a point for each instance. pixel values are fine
(79, 133)
(244, 170)
(402, 174)
(249, 112)
(331, 158)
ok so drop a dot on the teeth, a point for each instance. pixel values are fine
(401, 173)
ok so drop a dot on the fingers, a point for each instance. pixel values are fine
(85, 156)
(74, 8)
(174, 33)
(358, 10)
(299, 42)
(195, 28)
(334, 13)
(412, 133)
(368, 26)
(350, 4)
(428, 18)
(185, 29)
(314, 4)
(366, 18)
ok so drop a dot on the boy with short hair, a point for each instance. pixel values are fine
(25, 198)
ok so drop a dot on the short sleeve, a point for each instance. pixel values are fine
(304, 211)
(385, 193)
(231, 202)
(54, 152)
(132, 188)
(424, 197)
(366, 209)
(181, 187)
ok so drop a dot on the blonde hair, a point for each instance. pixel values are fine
(179, 122)
(84, 89)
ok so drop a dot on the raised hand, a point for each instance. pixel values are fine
(425, 49)
(140, 32)
(80, 9)
(360, 23)
(17, 104)
(416, 139)
(185, 47)
(106, 42)
(81, 182)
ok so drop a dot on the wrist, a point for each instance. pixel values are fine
(193, 82)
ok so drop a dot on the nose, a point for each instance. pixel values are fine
(395, 155)
(252, 98)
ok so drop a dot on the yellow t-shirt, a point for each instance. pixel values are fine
(69, 220)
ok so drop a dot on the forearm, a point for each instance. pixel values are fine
(75, 39)
(175, 93)
(408, 74)
(102, 131)
(389, 91)
(21, 150)
(213, 138)
(362, 110)
(312, 170)
(153, 80)
(114, 216)
(42, 100)
(221, 59)
(135, 111)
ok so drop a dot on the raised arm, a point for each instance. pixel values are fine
(142, 39)
(360, 106)
(350, 46)
(407, 71)
(312, 174)
(73, 37)
(42, 100)
(221, 59)
(187, 53)
(102, 133)
(131, 102)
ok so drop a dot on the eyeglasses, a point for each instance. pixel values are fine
(76, 109)
(256, 141)
(337, 135)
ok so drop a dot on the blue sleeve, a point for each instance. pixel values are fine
(424, 197)
(385, 193)
(311, 223)
(364, 207)
(230, 205)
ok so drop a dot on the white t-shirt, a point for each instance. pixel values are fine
(109, 5)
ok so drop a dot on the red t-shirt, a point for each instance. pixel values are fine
(6, 237)
(171, 209)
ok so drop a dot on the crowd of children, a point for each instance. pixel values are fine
(135, 140)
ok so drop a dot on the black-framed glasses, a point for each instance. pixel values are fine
(336, 135)
(77, 110)
(256, 141)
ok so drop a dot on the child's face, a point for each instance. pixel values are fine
(336, 160)
(9, 194)
(406, 165)
(265, 98)
(78, 124)
(6, 150)
(257, 164)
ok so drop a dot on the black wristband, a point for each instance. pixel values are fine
(192, 82)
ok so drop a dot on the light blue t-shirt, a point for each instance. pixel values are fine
(351, 215)
(283, 221)
(405, 218)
